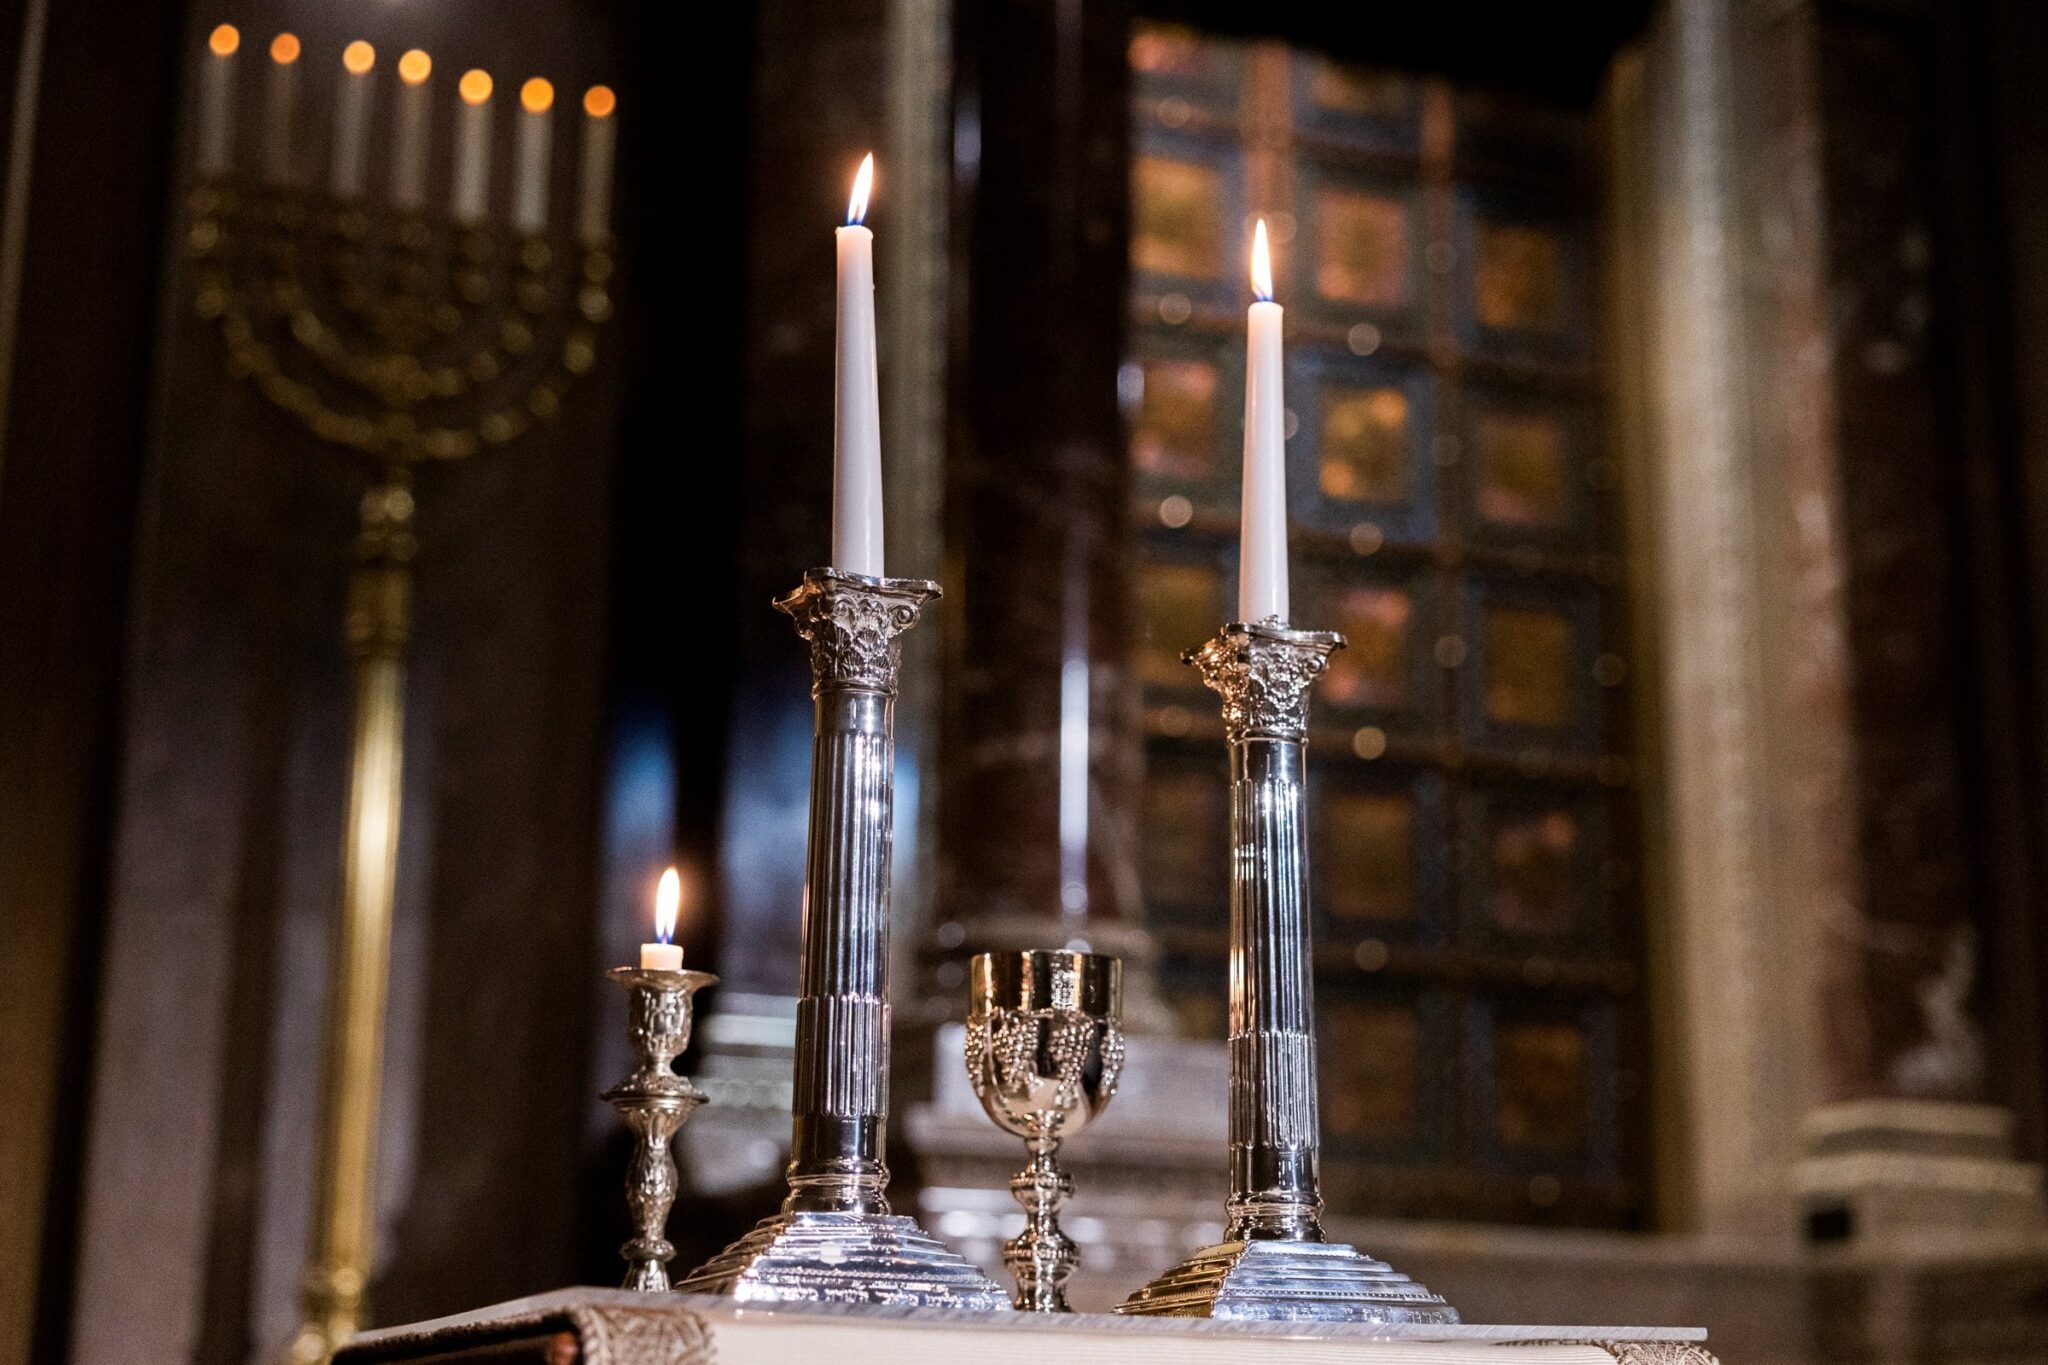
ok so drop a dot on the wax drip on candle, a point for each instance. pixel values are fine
(663, 955)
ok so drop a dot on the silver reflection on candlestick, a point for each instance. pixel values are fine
(1045, 1047)
(835, 1240)
(654, 1101)
(1275, 1262)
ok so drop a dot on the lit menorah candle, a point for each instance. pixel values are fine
(280, 94)
(217, 99)
(472, 147)
(530, 171)
(409, 152)
(600, 142)
(352, 119)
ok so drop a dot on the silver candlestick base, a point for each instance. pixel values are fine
(654, 1101)
(1275, 1263)
(835, 1240)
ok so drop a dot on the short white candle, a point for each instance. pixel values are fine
(662, 955)
(530, 172)
(600, 140)
(472, 148)
(217, 99)
(409, 152)
(352, 119)
(857, 413)
(280, 94)
(1262, 537)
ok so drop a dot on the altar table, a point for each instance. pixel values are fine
(614, 1327)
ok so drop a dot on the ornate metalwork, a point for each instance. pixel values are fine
(835, 1239)
(1045, 1048)
(398, 338)
(654, 1102)
(1275, 1262)
(1263, 671)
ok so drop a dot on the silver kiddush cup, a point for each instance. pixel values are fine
(1045, 1047)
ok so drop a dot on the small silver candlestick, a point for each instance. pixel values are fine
(1275, 1262)
(654, 1101)
(836, 1240)
(1045, 1046)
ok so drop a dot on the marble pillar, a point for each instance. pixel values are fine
(1041, 750)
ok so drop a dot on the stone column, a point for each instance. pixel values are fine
(1041, 747)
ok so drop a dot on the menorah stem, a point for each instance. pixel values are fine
(378, 624)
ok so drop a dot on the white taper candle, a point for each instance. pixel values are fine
(600, 142)
(1262, 536)
(352, 120)
(409, 151)
(217, 99)
(530, 171)
(280, 94)
(472, 148)
(857, 411)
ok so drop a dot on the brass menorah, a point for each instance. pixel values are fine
(399, 336)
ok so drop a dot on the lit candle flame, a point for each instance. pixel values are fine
(224, 40)
(358, 57)
(599, 101)
(668, 899)
(1262, 265)
(857, 207)
(475, 86)
(536, 95)
(284, 49)
(414, 67)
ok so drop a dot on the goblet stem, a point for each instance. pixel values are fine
(1041, 1258)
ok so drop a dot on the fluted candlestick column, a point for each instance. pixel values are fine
(835, 1239)
(1274, 1262)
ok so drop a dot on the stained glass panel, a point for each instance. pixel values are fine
(1533, 871)
(1374, 667)
(1361, 248)
(1540, 1085)
(1171, 50)
(1523, 462)
(1518, 281)
(1366, 443)
(1177, 213)
(1373, 1055)
(1528, 667)
(1178, 609)
(1174, 433)
(1368, 851)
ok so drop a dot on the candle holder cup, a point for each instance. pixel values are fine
(1275, 1262)
(654, 1102)
(835, 1239)
(1045, 1047)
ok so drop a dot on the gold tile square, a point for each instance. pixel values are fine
(1177, 218)
(1174, 433)
(1361, 248)
(1373, 667)
(1366, 444)
(1528, 667)
(1523, 463)
(1518, 279)
(1369, 848)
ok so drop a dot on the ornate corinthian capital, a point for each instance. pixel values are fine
(853, 623)
(1263, 671)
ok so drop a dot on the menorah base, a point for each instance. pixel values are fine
(845, 1258)
(1287, 1281)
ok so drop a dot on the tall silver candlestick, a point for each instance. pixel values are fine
(1275, 1262)
(835, 1240)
